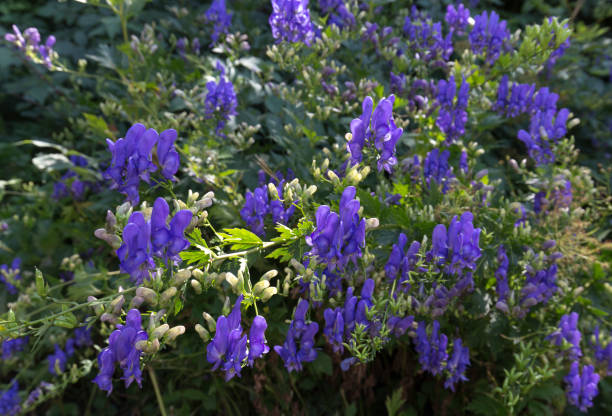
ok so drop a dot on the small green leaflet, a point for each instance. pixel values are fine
(240, 239)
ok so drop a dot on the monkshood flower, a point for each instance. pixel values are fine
(426, 38)
(131, 161)
(258, 346)
(398, 83)
(544, 127)
(9, 275)
(463, 162)
(458, 248)
(375, 129)
(432, 348)
(298, 347)
(436, 169)
(228, 348)
(520, 100)
(10, 401)
(338, 13)
(35, 394)
(82, 337)
(557, 53)
(168, 241)
(457, 364)
(603, 354)
(77, 188)
(12, 346)
(557, 199)
(217, 15)
(501, 277)
(568, 331)
(489, 35)
(338, 239)
(453, 115)
(402, 262)
(457, 18)
(122, 350)
(581, 388)
(29, 41)
(290, 21)
(398, 325)
(135, 256)
(57, 361)
(221, 99)
(539, 286)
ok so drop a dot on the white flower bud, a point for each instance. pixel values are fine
(202, 332)
(168, 294)
(181, 277)
(160, 331)
(174, 332)
(197, 286)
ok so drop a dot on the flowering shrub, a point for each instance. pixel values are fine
(350, 207)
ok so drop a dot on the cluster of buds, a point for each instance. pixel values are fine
(196, 205)
(158, 333)
(114, 223)
(146, 43)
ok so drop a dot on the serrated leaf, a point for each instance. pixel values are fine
(240, 238)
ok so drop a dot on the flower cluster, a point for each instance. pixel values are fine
(57, 360)
(603, 355)
(582, 388)
(228, 349)
(9, 275)
(490, 35)
(559, 198)
(220, 101)
(298, 347)
(10, 401)
(257, 204)
(436, 169)
(401, 262)
(338, 13)
(144, 239)
(375, 129)
(501, 277)
(453, 115)
(77, 187)
(36, 393)
(29, 41)
(338, 238)
(122, 350)
(425, 37)
(218, 16)
(457, 364)
(568, 331)
(457, 18)
(132, 159)
(290, 21)
(12, 346)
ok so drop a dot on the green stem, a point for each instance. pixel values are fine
(160, 400)
(265, 245)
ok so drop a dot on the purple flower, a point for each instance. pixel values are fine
(290, 21)
(298, 347)
(436, 169)
(581, 388)
(217, 15)
(135, 254)
(12, 346)
(426, 38)
(539, 286)
(490, 35)
(338, 239)
(9, 275)
(432, 348)
(122, 349)
(82, 337)
(338, 13)
(457, 364)
(501, 277)
(30, 41)
(57, 361)
(401, 262)
(452, 116)
(220, 101)
(166, 154)
(457, 18)
(603, 354)
(568, 331)
(258, 345)
(10, 401)
(168, 241)
(398, 326)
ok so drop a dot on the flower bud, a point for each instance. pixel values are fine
(174, 332)
(481, 174)
(202, 332)
(136, 302)
(149, 295)
(268, 293)
(372, 223)
(226, 306)
(117, 304)
(230, 278)
(197, 286)
(210, 322)
(181, 277)
(269, 274)
(273, 191)
(160, 331)
(198, 274)
(110, 318)
(168, 294)
(310, 191)
(333, 177)
(260, 287)
(111, 221)
(548, 244)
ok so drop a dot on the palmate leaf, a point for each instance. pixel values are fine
(240, 239)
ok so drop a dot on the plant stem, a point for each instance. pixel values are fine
(243, 253)
(160, 400)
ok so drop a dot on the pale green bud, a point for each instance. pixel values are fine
(197, 286)
(160, 331)
(168, 294)
(174, 332)
(260, 287)
(149, 295)
(181, 277)
(210, 322)
(269, 274)
(202, 332)
(268, 293)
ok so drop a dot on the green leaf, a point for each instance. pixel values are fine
(240, 238)
(51, 162)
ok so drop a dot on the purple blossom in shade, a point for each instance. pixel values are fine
(425, 37)
(77, 187)
(432, 348)
(220, 101)
(452, 116)
(168, 241)
(398, 326)
(436, 169)
(258, 345)
(57, 361)
(181, 44)
(398, 83)
(12, 346)
(457, 364)
(489, 35)
(82, 337)
(195, 46)
(131, 161)
(334, 328)
(375, 129)
(539, 286)
(166, 153)
(228, 348)
(338, 13)
(457, 18)
(463, 162)
(568, 331)
(290, 21)
(401, 263)
(135, 256)
(122, 349)
(581, 388)
(10, 401)
(544, 127)
(501, 277)
(9, 275)
(520, 101)
(30, 41)
(298, 347)
(217, 15)
(69, 347)
(34, 395)
(338, 239)
(603, 354)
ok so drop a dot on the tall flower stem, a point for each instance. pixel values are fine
(160, 400)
